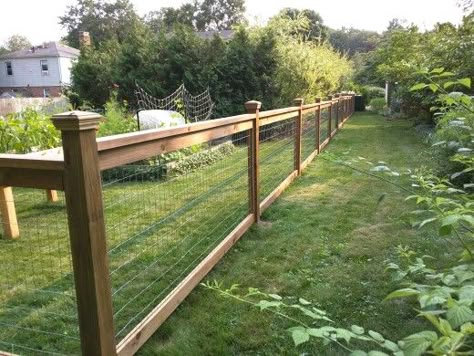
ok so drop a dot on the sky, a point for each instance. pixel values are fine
(38, 20)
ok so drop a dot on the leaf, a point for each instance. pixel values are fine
(401, 293)
(465, 82)
(344, 334)
(433, 88)
(448, 84)
(377, 353)
(265, 304)
(427, 221)
(376, 336)
(304, 301)
(357, 329)
(437, 70)
(417, 343)
(300, 336)
(458, 315)
(466, 293)
(358, 353)
(275, 296)
(418, 86)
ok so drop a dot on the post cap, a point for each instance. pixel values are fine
(76, 121)
(317, 100)
(337, 95)
(329, 97)
(252, 106)
(298, 101)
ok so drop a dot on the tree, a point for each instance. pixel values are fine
(103, 20)
(219, 14)
(315, 29)
(201, 15)
(352, 40)
(15, 43)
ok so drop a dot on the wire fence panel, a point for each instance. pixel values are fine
(276, 154)
(165, 215)
(324, 130)
(308, 138)
(38, 312)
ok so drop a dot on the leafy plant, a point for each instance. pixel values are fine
(117, 119)
(377, 104)
(27, 131)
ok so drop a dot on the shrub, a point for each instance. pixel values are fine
(117, 119)
(27, 131)
(377, 104)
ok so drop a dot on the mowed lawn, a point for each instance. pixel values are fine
(327, 239)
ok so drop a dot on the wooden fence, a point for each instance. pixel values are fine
(76, 169)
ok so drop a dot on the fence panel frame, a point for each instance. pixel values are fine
(78, 173)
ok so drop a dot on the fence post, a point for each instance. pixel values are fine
(8, 211)
(83, 191)
(338, 110)
(330, 116)
(318, 124)
(253, 107)
(298, 134)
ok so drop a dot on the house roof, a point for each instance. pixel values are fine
(224, 34)
(48, 49)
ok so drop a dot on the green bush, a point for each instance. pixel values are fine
(27, 131)
(117, 119)
(377, 104)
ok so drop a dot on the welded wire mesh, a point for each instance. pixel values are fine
(165, 215)
(276, 155)
(308, 136)
(38, 313)
(324, 130)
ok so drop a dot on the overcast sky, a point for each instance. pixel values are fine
(38, 19)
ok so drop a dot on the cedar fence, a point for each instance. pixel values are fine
(140, 236)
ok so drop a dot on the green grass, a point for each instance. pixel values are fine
(325, 239)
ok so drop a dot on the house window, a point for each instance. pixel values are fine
(46, 93)
(9, 68)
(44, 67)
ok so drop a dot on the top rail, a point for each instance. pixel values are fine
(126, 148)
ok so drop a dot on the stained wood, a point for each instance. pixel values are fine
(31, 178)
(145, 329)
(298, 135)
(7, 208)
(83, 192)
(132, 138)
(52, 195)
(253, 107)
(128, 153)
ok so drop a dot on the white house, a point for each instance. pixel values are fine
(40, 71)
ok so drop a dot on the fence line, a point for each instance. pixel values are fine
(113, 249)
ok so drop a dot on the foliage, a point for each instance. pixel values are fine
(315, 30)
(352, 41)
(377, 104)
(454, 113)
(28, 131)
(203, 15)
(105, 21)
(117, 119)
(255, 64)
(203, 158)
(15, 43)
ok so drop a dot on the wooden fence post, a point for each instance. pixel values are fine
(253, 107)
(83, 191)
(7, 208)
(298, 134)
(330, 117)
(318, 125)
(338, 110)
(52, 195)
